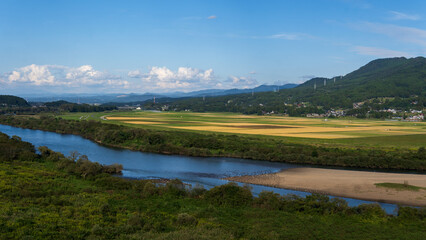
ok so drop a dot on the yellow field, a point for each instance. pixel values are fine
(270, 125)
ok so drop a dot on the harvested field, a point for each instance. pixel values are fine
(291, 131)
(272, 126)
(304, 130)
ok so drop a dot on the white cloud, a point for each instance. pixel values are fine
(56, 75)
(379, 52)
(403, 16)
(57, 78)
(34, 74)
(87, 75)
(185, 78)
(163, 79)
(212, 17)
(134, 74)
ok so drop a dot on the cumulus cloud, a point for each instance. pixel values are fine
(379, 52)
(134, 74)
(57, 75)
(212, 17)
(185, 78)
(57, 78)
(403, 16)
(35, 74)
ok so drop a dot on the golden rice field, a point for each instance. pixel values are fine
(330, 132)
(268, 125)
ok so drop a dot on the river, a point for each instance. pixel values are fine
(193, 170)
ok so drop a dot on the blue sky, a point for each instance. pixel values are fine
(164, 46)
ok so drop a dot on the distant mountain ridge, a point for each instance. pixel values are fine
(134, 97)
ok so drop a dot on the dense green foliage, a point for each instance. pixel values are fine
(250, 147)
(400, 80)
(41, 200)
(16, 105)
(64, 106)
(12, 101)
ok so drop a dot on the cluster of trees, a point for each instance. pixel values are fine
(58, 106)
(199, 144)
(44, 200)
(64, 106)
(12, 101)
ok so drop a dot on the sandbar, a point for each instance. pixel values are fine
(345, 183)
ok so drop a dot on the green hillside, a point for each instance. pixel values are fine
(9, 101)
(392, 77)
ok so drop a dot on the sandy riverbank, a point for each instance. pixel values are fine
(345, 183)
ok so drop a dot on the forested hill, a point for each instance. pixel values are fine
(394, 78)
(391, 77)
(9, 101)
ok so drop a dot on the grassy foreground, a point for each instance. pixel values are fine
(43, 198)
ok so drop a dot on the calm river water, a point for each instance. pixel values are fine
(193, 170)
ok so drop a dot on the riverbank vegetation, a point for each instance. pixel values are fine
(42, 199)
(225, 145)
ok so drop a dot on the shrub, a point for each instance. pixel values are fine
(229, 194)
(113, 168)
(412, 213)
(370, 210)
(197, 191)
(111, 182)
(268, 200)
(149, 189)
(184, 219)
(175, 187)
